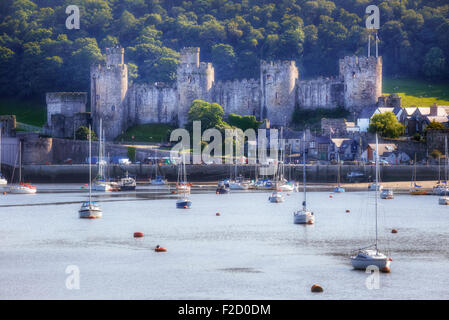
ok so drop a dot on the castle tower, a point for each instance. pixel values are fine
(194, 81)
(278, 83)
(362, 78)
(109, 85)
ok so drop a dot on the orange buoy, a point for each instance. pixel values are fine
(160, 249)
(310, 222)
(138, 234)
(386, 270)
(217, 214)
(390, 259)
(4, 193)
(316, 288)
(394, 231)
(330, 196)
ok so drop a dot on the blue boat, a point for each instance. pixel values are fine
(222, 190)
(183, 204)
(339, 190)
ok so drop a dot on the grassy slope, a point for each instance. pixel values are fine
(31, 112)
(418, 93)
(152, 132)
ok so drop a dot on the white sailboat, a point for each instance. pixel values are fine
(443, 190)
(366, 257)
(3, 181)
(100, 183)
(21, 187)
(304, 216)
(277, 196)
(183, 188)
(90, 209)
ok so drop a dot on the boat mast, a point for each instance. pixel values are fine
(20, 161)
(90, 165)
(100, 166)
(377, 183)
(338, 173)
(0, 150)
(304, 204)
(445, 159)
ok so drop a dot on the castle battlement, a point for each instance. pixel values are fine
(55, 97)
(360, 62)
(115, 56)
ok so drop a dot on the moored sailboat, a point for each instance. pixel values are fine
(3, 181)
(183, 188)
(90, 209)
(21, 187)
(367, 256)
(338, 188)
(415, 189)
(304, 216)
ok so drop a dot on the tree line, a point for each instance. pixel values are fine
(39, 54)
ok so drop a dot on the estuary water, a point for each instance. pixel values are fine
(251, 251)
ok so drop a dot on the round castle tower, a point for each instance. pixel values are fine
(362, 78)
(194, 81)
(109, 85)
(278, 83)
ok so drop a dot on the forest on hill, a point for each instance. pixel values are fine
(39, 54)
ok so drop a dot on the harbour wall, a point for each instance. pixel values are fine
(204, 173)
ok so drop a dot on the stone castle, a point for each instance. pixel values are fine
(274, 96)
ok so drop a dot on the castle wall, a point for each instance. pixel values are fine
(320, 93)
(194, 81)
(278, 80)
(109, 85)
(363, 81)
(65, 103)
(152, 103)
(240, 97)
(274, 96)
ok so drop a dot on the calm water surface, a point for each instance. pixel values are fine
(252, 251)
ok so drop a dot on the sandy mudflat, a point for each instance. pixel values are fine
(398, 185)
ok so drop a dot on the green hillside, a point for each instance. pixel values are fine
(39, 54)
(418, 93)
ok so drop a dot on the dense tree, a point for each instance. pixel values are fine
(386, 124)
(243, 122)
(38, 53)
(210, 115)
(82, 133)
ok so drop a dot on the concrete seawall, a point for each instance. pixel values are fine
(315, 173)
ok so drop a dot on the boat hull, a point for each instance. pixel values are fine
(127, 188)
(222, 191)
(362, 264)
(276, 199)
(443, 201)
(339, 190)
(90, 213)
(22, 190)
(101, 187)
(183, 204)
(418, 192)
(303, 217)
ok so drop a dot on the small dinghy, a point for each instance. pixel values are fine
(276, 197)
(387, 194)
